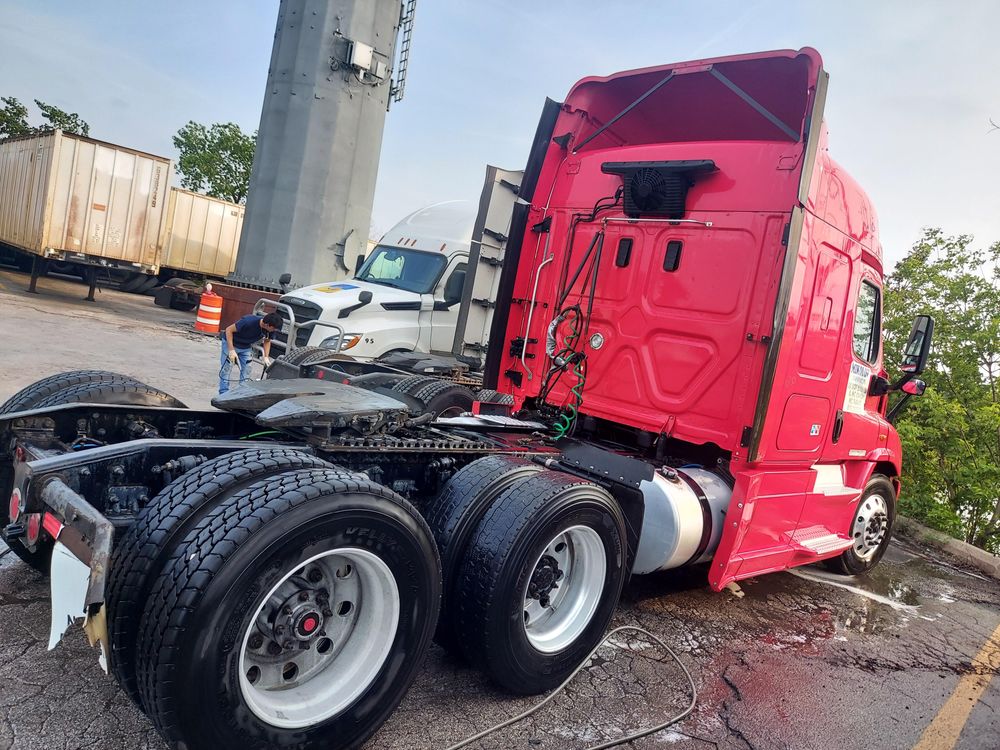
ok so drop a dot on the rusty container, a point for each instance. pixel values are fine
(69, 198)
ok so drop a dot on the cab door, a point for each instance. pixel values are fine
(857, 424)
(447, 298)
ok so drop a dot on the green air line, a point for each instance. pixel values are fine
(564, 422)
(258, 434)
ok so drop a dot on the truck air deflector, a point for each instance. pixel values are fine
(762, 97)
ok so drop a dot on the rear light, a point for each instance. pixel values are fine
(14, 509)
(52, 525)
(34, 527)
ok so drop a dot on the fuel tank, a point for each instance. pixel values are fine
(684, 517)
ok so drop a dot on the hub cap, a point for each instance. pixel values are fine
(319, 638)
(871, 522)
(565, 588)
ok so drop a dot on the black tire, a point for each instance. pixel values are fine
(439, 397)
(310, 355)
(150, 540)
(506, 554)
(30, 396)
(132, 283)
(453, 517)
(208, 595)
(182, 305)
(134, 394)
(494, 397)
(148, 285)
(851, 563)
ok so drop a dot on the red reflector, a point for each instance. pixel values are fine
(52, 525)
(34, 527)
(14, 509)
(320, 374)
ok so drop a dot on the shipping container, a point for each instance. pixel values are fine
(69, 198)
(203, 234)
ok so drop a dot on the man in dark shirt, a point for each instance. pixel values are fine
(237, 339)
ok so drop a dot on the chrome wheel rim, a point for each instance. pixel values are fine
(319, 638)
(564, 589)
(871, 523)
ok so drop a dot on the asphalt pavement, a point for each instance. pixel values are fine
(903, 657)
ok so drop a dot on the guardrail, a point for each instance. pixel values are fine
(264, 306)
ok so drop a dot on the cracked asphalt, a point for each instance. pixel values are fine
(802, 659)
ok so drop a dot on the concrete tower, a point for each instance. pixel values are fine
(313, 179)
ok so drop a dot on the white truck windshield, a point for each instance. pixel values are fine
(413, 270)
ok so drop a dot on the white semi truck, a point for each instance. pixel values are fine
(408, 294)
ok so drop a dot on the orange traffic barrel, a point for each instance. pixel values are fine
(209, 311)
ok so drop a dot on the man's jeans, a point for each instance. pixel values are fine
(242, 356)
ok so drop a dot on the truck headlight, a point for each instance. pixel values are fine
(350, 340)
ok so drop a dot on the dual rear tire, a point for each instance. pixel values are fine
(295, 613)
(530, 590)
(269, 599)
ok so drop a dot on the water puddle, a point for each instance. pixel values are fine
(884, 590)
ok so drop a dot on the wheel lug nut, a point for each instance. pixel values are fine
(256, 641)
(273, 648)
(286, 610)
(303, 596)
(327, 613)
(315, 576)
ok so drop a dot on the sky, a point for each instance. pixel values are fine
(913, 84)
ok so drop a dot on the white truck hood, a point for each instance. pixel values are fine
(340, 294)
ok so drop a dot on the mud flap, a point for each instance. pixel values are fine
(69, 579)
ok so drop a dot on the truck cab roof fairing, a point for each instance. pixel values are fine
(765, 96)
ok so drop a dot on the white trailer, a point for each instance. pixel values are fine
(200, 243)
(203, 234)
(72, 199)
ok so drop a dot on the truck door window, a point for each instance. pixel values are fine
(867, 323)
(413, 270)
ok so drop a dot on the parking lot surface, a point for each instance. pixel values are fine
(802, 659)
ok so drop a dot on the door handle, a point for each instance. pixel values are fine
(838, 425)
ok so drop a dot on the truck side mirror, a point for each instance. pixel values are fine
(365, 297)
(918, 346)
(454, 286)
(914, 387)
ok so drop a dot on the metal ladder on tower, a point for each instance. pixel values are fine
(406, 25)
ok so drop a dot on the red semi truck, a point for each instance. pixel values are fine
(685, 368)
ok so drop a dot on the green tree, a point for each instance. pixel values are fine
(215, 160)
(69, 122)
(951, 435)
(13, 118)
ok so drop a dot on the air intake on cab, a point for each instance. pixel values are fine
(657, 188)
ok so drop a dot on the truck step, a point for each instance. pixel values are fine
(819, 540)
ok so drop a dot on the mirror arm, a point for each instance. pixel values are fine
(906, 378)
(890, 417)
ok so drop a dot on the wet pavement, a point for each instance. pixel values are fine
(791, 660)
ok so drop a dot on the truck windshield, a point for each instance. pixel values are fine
(412, 270)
